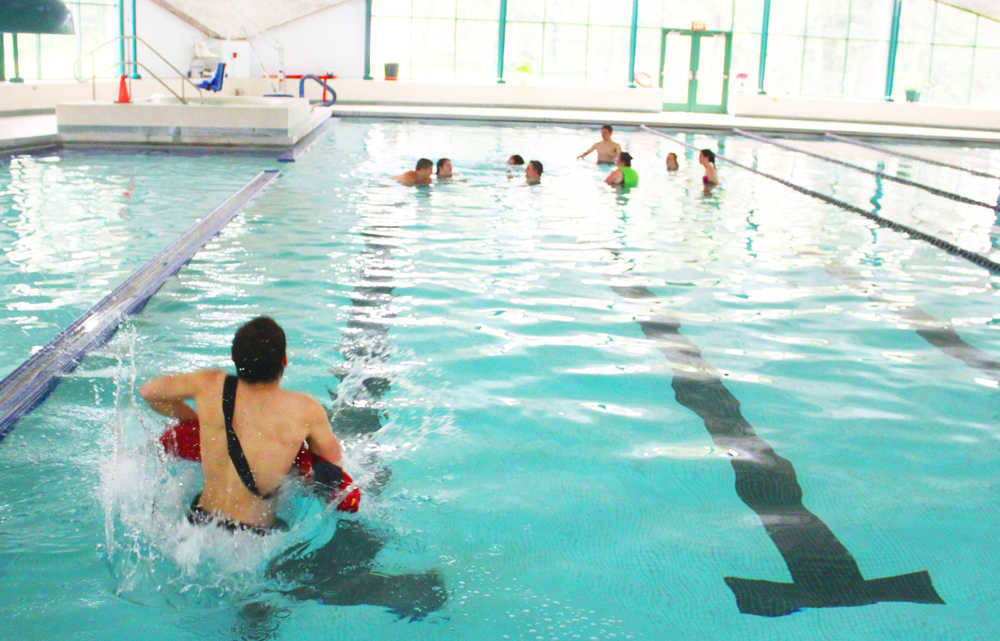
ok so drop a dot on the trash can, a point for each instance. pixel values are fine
(391, 70)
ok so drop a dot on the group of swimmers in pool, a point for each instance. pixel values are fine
(608, 152)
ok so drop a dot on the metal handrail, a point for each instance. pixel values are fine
(93, 80)
(180, 74)
(326, 87)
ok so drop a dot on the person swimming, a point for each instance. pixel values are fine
(533, 172)
(444, 168)
(421, 175)
(515, 160)
(707, 160)
(250, 430)
(624, 175)
(607, 149)
(672, 164)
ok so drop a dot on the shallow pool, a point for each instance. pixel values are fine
(575, 412)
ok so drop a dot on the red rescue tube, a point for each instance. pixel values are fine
(183, 441)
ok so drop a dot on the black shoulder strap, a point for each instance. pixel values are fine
(235, 449)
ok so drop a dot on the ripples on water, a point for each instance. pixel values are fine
(512, 428)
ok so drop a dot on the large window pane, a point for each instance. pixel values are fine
(916, 22)
(479, 9)
(433, 57)
(391, 43)
(523, 49)
(951, 71)
(986, 80)
(872, 19)
(913, 63)
(392, 8)
(565, 54)
(476, 51)
(866, 66)
(746, 60)
(954, 27)
(828, 19)
(647, 56)
(567, 11)
(98, 25)
(611, 12)
(823, 68)
(607, 56)
(784, 67)
(748, 16)
(526, 10)
(788, 17)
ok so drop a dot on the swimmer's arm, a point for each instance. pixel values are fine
(592, 148)
(166, 394)
(321, 440)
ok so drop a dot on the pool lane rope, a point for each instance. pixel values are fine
(951, 248)
(29, 384)
(903, 181)
(891, 152)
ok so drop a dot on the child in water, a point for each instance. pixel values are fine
(707, 160)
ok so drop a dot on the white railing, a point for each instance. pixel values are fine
(185, 81)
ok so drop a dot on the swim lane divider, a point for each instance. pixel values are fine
(29, 384)
(951, 248)
(892, 152)
(903, 181)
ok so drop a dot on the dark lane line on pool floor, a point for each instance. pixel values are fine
(951, 248)
(342, 571)
(933, 330)
(824, 573)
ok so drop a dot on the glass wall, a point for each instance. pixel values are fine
(54, 57)
(950, 56)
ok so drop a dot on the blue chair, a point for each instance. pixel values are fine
(215, 83)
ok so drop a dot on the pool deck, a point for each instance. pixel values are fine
(34, 132)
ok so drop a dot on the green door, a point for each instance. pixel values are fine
(694, 70)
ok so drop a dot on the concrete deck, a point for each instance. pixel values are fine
(24, 133)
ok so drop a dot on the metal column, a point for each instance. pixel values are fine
(890, 72)
(631, 44)
(368, 40)
(763, 47)
(501, 39)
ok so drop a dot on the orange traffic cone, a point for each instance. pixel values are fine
(123, 92)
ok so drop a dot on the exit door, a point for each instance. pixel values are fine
(694, 70)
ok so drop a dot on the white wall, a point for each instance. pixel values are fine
(331, 40)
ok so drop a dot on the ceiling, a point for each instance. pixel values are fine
(240, 19)
(986, 8)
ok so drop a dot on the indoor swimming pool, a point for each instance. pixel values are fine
(575, 412)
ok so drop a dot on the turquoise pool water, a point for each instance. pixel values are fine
(501, 362)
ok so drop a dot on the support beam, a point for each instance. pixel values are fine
(368, 40)
(3, 63)
(135, 43)
(631, 44)
(121, 37)
(763, 47)
(17, 67)
(890, 72)
(501, 40)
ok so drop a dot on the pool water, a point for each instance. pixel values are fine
(520, 376)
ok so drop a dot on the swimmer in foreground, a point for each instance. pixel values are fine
(444, 168)
(624, 176)
(607, 149)
(707, 160)
(250, 429)
(533, 172)
(419, 176)
(672, 162)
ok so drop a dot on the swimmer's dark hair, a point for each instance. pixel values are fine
(608, 127)
(425, 163)
(536, 165)
(441, 162)
(708, 153)
(517, 159)
(259, 350)
(626, 158)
